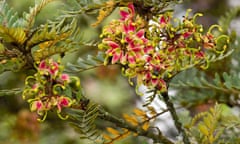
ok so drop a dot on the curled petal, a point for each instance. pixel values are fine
(44, 117)
(42, 65)
(116, 56)
(144, 40)
(187, 34)
(63, 102)
(57, 88)
(162, 85)
(124, 14)
(131, 59)
(148, 49)
(131, 8)
(113, 44)
(129, 28)
(136, 49)
(163, 20)
(140, 33)
(61, 117)
(109, 52)
(48, 67)
(138, 56)
(128, 39)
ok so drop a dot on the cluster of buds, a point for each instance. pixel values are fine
(154, 52)
(50, 89)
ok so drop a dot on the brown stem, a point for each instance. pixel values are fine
(177, 123)
(157, 138)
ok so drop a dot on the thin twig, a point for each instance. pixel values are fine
(157, 138)
(177, 123)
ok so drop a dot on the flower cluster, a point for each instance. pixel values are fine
(154, 52)
(183, 43)
(50, 89)
(124, 39)
(125, 43)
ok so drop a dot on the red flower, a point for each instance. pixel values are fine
(63, 102)
(164, 20)
(117, 55)
(65, 77)
(199, 54)
(49, 66)
(131, 12)
(140, 33)
(129, 28)
(37, 106)
(187, 34)
(42, 65)
(53, 68)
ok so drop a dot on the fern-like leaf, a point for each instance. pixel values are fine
(8, 17)
(226, 86)
(54, 39)
(85, 7)
(85, 64)
(29, 18)
(84, 122)
(230, 83)
(10, 92)
(13, 35)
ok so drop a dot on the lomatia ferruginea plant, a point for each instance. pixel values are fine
(153, 49)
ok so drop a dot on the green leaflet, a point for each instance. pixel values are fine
(10, 92)
(229, 84)
(225, 20)
(84, 122)
(222, 88)
(88, 63)
(29, 18)
(8, 16)
(55, 38)
(16, 35)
